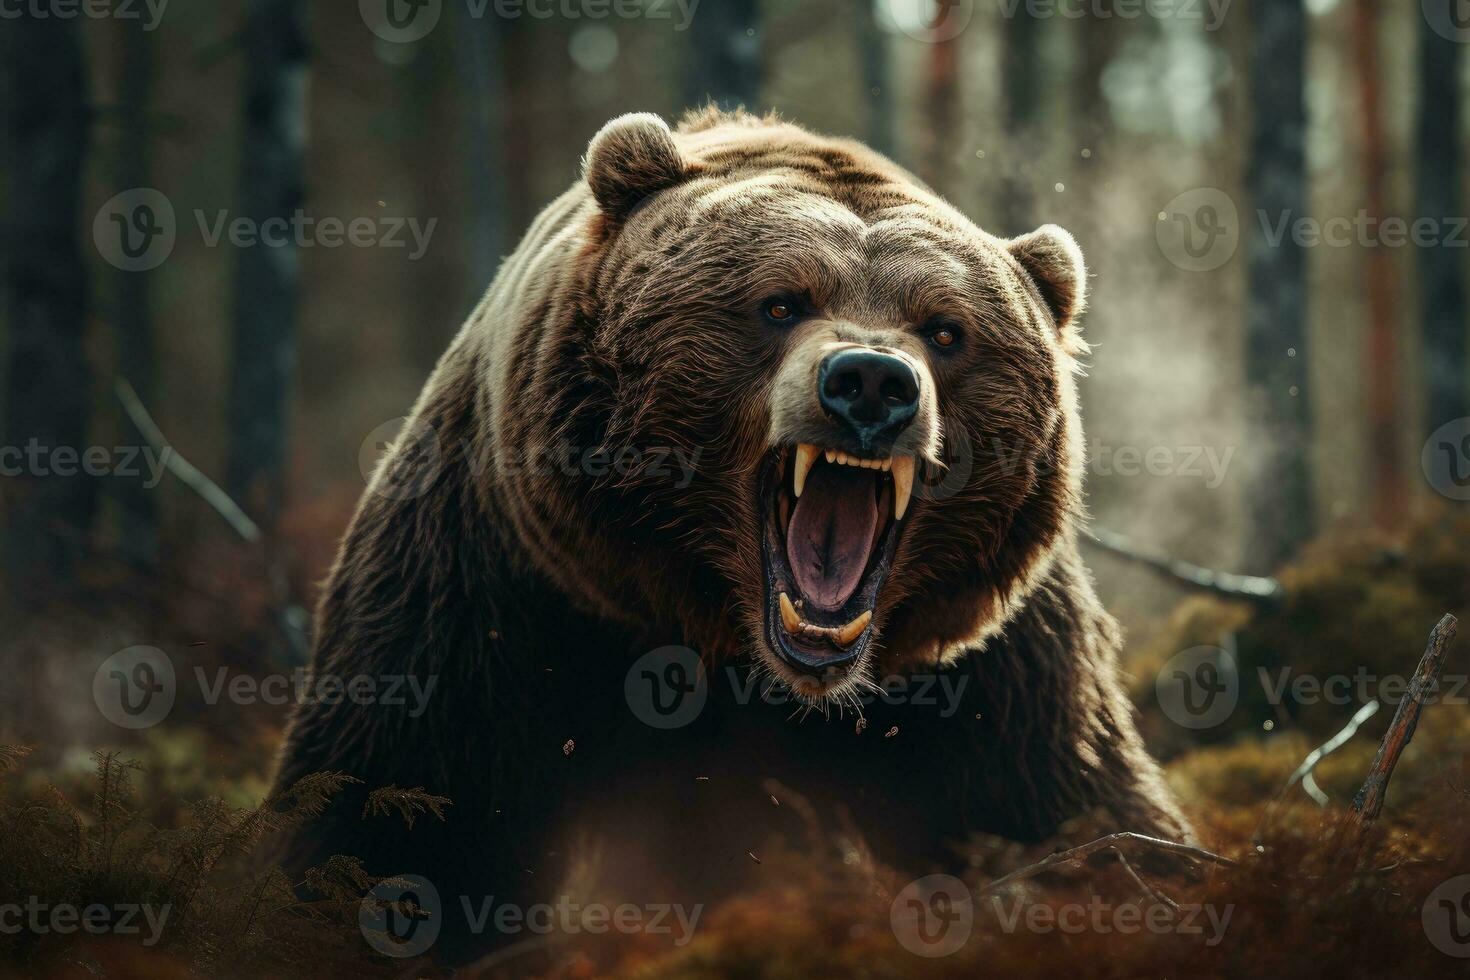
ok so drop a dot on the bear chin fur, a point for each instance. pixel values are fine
(454, 572)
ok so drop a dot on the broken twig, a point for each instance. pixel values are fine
(1111, 841)
(1258, 589)
(1303, 773)
(1369, 801)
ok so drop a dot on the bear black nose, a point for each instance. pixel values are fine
(874, 395)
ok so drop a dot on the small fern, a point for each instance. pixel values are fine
(409, 803)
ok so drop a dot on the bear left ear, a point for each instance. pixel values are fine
(1051, 257)
(630, 158)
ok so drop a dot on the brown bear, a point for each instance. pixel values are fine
(760, 394)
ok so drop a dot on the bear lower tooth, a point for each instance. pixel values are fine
(789, 619)
(848, 635)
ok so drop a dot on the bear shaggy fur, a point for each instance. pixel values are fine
(677, 307)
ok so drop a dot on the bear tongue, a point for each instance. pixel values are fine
(831, 533)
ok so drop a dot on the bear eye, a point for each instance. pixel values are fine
(943, 336)
(778, 309)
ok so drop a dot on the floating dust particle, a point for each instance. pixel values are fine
(568, 746)
(494, 634)
(701, 779)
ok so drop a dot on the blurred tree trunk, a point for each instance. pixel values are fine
(1280, 502)
(874, 57)
(724, 55)
(481, 69)
(267, 275)
(138, 521)
(941, 103)
(48, 392)
(1099, 44)
(1441, 266)
(1381, 368)
(1021, 71)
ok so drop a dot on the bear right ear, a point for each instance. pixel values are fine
(630, 158)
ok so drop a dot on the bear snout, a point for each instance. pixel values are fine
(873, 396)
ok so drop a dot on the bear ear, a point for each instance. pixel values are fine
(1052, 259)
(630, 158)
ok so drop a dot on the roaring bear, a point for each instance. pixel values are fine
(759, 394)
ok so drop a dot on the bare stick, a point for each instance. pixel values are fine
(1369, 801)
(180, 467)
(1303, 772)
(1081, 851)
(1251, 588)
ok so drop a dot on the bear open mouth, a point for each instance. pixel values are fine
(831, 526)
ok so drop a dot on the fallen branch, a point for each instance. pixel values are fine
(1258, 589)
(175, 463)
(290, 617)
(1303, 773)
(1110, 842)
(1369, 801)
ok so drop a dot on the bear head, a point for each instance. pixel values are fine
(837, 419)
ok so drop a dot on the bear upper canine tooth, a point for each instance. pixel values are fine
(806, 455)
(903, 484)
